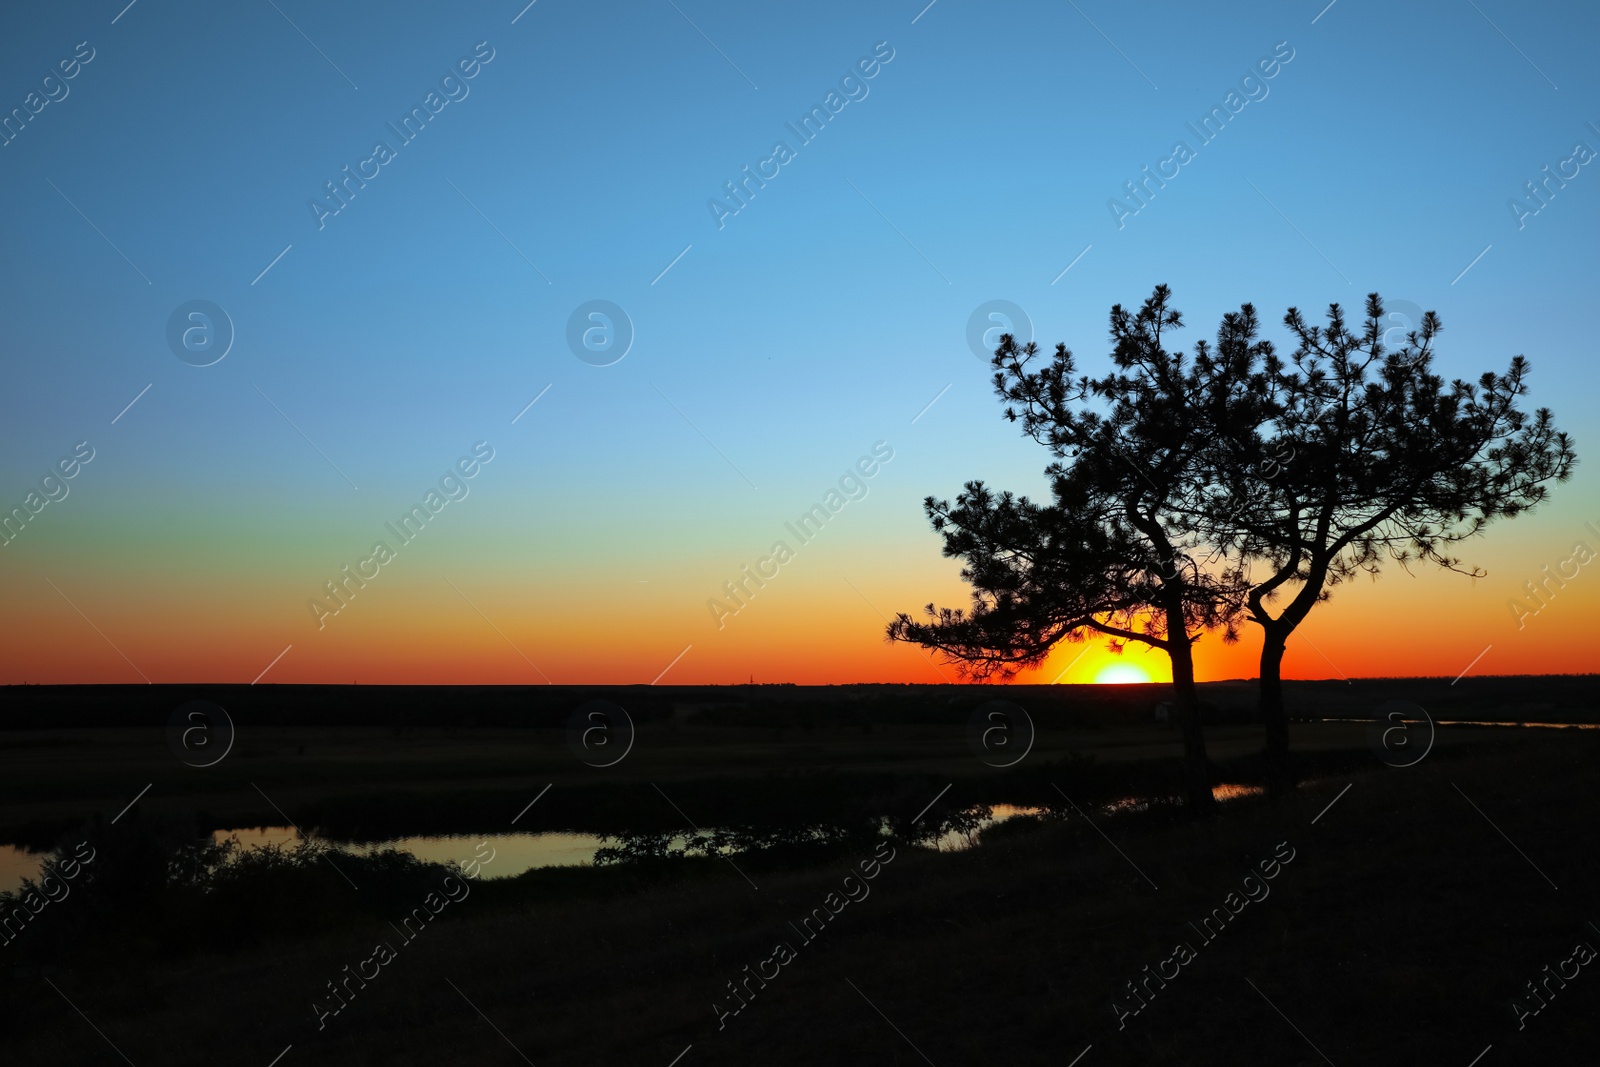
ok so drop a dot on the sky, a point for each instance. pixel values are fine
(258, 339)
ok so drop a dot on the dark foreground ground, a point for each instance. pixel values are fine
(1402, 921)
(371, 762)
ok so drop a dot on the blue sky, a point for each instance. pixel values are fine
(821, 318)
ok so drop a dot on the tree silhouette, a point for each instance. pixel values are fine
(1372, 456)
(1193, 492)
(1113, 553)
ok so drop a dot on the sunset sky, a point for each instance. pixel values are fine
(772, 347)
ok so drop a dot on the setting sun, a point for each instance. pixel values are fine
(1120, 674)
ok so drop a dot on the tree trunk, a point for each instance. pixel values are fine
(1196, 768)
(1280, 773)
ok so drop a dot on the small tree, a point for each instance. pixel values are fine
(1111, 554)
(1372, 458)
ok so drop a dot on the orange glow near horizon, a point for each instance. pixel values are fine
(122, 619)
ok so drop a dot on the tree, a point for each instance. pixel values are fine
(1111, 555)
(1372, 457)
(1191, 493)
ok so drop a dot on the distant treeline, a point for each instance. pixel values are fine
(545, 706)
(1558, 698)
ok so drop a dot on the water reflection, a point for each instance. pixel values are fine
(516, 853)
(1487, 722)
(967, 837)
(971, 829)
(17, 863)
(513, 853)
(1221, 793)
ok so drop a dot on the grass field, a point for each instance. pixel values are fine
(1414, 906)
